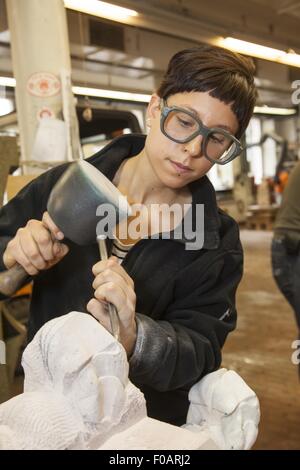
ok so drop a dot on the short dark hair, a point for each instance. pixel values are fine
(224, 74)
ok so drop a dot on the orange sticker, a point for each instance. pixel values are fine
(43, 84)
(45, 113)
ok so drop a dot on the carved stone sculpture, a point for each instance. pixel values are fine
(77, 396)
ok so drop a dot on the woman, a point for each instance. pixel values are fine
(176, 303)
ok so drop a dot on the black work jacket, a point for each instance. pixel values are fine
(185, 298)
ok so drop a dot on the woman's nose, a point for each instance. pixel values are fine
(194, 147)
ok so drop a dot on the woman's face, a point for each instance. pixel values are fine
(163, 153)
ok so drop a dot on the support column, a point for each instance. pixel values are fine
(42, 68)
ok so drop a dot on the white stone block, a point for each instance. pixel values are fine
(77, 395)
(151, 434)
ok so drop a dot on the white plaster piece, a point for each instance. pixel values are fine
(226, 407)
(151, 434)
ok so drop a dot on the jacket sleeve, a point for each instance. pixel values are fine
(177, 351)
(29, 203)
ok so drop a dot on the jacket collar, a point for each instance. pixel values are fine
(108, 160)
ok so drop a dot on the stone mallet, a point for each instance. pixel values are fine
(79, 197)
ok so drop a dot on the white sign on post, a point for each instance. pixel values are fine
(50, 143)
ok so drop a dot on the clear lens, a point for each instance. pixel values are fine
(220, 146)
(180, 126)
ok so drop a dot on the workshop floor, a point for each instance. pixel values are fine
(260, 348)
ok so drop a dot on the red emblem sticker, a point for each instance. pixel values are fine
(43, 84)
(45, 113)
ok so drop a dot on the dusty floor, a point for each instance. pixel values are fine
(260, 348)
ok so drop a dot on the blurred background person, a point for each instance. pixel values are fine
(286, 245)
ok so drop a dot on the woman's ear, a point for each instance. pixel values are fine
(153, 107)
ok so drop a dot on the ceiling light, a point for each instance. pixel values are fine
(112, 94)
(6, 106)
(101, 9)
(274, 111)
(262, 52)
(7, 81)
(96, 92)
